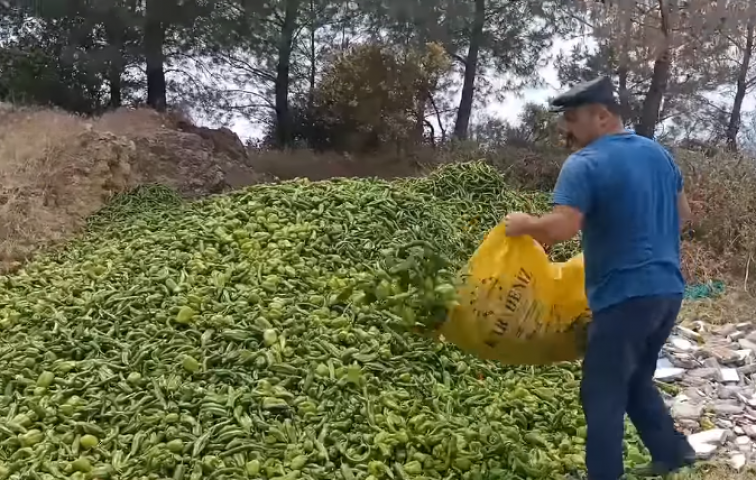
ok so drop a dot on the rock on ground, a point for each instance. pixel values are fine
(707, 374)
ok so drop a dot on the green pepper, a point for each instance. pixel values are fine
(271, 333)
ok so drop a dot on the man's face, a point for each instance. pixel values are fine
(581, 126)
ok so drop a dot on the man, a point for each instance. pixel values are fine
(626, 194)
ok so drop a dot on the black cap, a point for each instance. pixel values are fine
(598, 91)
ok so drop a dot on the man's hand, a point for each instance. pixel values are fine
(560, 225)
(518, 224)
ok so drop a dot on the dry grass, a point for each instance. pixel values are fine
(54, 172)
(720, 190)
(289, 164)
(717, 472)
(734, 306)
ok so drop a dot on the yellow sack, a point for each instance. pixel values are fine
(517, 307)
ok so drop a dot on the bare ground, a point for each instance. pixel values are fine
(717, 472)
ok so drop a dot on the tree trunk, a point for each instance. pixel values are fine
(115, 63)
(624, 94)
(154, 40)
(114, 80)
(313, 57)
(659, 78)
(462, 124)
(742, 85)
(624, 68)
(283, 115)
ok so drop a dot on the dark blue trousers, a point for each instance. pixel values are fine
(623, 345)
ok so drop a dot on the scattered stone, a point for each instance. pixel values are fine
(737, 461)
(693, 381)
(745, 326)
(746, 344)
(704, 450)
(728, 409)
(688, 425)
(715, 436)
(700, 327)
(684, 360)
(722, 350)
(735, 336)
(727, 330)
(682, 344)
(750, 430)
(729, 391)
(716, 366)
(705, 373)
(689, 334)
(694, 394)
(668, 374)
(685, 410)
(711, 363)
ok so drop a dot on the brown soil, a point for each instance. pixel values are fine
(56, 169)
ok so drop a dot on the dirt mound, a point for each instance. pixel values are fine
(56, 169)
(172, 151)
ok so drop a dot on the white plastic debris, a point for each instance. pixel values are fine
(729, 375)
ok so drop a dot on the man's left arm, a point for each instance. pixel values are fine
(572, 199)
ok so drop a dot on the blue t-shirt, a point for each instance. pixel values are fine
(626, 186)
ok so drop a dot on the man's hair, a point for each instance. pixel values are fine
(614, 108)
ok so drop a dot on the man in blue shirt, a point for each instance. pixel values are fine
(626, 194)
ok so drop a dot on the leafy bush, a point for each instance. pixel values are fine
(370, 96)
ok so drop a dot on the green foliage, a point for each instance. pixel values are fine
(37, 68)
(536, 127)
(369, 97)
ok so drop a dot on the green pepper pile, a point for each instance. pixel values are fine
(264, 335)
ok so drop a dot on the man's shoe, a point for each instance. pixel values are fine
(656, 469)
